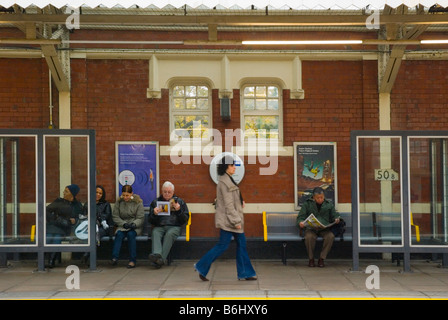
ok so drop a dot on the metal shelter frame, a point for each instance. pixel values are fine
(406, 248)
(40, 248)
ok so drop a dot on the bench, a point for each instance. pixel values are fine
(281, 227)
(146, 233)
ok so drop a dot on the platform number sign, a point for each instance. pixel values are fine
(385, 175)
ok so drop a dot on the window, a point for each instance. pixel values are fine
(190, 112)
(261, 111)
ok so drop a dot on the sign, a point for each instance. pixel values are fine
(137, 166)
(314, 166)
(239, 167)
(386, 175)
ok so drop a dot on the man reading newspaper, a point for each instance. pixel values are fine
(316, 216)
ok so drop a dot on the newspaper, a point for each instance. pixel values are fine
(313, 222)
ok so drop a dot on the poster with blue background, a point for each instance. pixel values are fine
(137, 165)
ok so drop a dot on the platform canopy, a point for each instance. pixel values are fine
(228, 4)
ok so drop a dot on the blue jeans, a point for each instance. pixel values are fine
(132, 244)
(243, 265)
(53, 238)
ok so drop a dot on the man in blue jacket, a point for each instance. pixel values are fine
(325, 212)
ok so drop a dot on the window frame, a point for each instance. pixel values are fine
(189, 112)
(265, 112)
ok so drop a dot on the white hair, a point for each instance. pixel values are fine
(168, 184)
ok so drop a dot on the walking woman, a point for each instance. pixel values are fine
(229, 218)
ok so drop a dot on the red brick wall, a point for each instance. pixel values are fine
(110, 97)
(419, 97)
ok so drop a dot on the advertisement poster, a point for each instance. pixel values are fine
(137, 165)
(315, 166)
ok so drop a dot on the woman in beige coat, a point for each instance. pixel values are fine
(229, 218)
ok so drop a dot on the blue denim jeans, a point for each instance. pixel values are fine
(132, 244)
(243, 265)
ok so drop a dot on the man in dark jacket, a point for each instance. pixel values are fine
(61, 215)
(325, 212)
(166, 226)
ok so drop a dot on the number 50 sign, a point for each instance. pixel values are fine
(385, 175)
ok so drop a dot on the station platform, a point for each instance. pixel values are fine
(427, 280)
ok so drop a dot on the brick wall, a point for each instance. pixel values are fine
(110, 97)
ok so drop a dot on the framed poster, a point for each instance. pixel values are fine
(137, 164)
(314, 166)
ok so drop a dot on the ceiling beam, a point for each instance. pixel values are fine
(57, 71)
(227, 20)
(390, 73)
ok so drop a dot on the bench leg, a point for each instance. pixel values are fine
(284, 244)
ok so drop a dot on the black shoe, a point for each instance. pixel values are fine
(203, 278)
(52, 261)
(321, 263)
(311, 263)
(85, 258)
(156, 259)
(113, 262)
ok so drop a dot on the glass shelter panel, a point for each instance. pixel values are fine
(18, 190)
(380, 198)
(66, 190)
(428, 166)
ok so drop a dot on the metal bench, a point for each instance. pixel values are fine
(281, 227)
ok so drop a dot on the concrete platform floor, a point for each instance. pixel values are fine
(428, 280)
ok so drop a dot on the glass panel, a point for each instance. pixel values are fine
(272, 104)
(18, 216)
(179, 104)
(249, 104)
(191, 103)
(380, 206)
(260, 104)
(261, 92)
(202, 91)
(202, 104)
(190, 91)
(191, 126)
(428, 190)
(178, 91)
(261, 126)
(249, 92)
(66, 190)
(272, 92)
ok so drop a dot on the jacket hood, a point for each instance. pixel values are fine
(135, 198)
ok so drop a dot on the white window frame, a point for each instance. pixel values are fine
(278, 112)
(173, 112)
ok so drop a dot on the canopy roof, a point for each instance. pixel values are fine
(227, 4)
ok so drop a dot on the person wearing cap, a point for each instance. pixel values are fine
(229, 218)
(325, 211)
(61, 215)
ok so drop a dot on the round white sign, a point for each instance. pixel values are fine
(126, 177)
(239, 164)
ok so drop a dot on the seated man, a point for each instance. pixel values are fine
(325, 212)
(166, 227)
